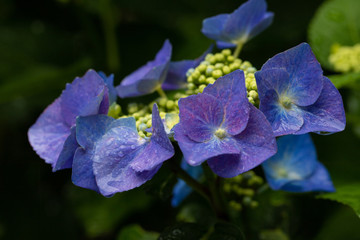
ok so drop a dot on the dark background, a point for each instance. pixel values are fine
(45, 44)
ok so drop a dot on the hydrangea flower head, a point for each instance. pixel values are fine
(295, 167)
(222, 127)
(295, 96)
(149, 77)
(53, 134)
(181, 189)
(238, 27)
(113, 157)
(176, 76)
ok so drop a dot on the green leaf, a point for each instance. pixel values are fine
(100, 215)
(336, 21)
(276, 234)
(347, 193)
(344, 80)
(226, 231)
(183, 231)
(135, 232)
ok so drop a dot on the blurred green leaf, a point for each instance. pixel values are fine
(183, 231)
(100, 215)
(343, 224)
(343, 80)
(347, 193)
(226, 231)
(135, 232)
(197, 212)
(276, 234)
(336, 21)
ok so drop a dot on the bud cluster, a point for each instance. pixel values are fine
(241, 189)
(345, 58)
(218, 65)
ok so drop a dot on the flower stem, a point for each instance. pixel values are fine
(183, 175)
(238, 49)
(161, 92)
(214, 183)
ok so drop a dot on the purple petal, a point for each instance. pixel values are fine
(283, 121)
(109, 81)
(257, 141)
(306, 80)
(326, 114)
(158, 150)
(65, 159)
(227, 165)
(83, 97)
(176, 76)
(222, 45)
(196, 153)
(230, 91)
(48, 134)
(200, 116)
(148, 78)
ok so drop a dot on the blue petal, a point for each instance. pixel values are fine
(212, 27)
(326, 114)
(85, 96)
(65, 159)
(230, 90)
(109, 81)
(240, 26)
(48, 134)
(176, 76)
(295, 167)
(181, 189)
(305, 80)
(196, 153)
(149, 77)
(158, 150)
(200, 116)
(82, 170)
(222, 45)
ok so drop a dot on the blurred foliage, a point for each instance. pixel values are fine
(135, 232)
(344, 80)
(46, 44)
(336, 21)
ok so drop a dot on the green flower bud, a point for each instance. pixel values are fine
(210, 80)
(162, 101)
(219, 57)
(170, 104)
(201, 88)
(202, 79)
(217, 73)
(226, 70)
(190, 86)
(219, 66)
(201, 68)
(212, 60)
(230, 58)
(226, 52)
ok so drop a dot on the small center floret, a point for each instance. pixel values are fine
(220, 133)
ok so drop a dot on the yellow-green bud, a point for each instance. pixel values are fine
(201, 68)
(212, 60)
(219, 57)
(201, 88)
(217, 73)
(219, 66)
(202, 79)
(190, 86)
(170, 104)
(226, 70)
(190, 79)
(230, 58)
(162, 101)
(226, 52)
(148, 123)
(210, 80)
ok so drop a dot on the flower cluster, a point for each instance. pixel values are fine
(221, 112)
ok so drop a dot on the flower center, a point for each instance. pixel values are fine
(286, 102)
(220, 133)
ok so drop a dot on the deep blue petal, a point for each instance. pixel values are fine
(158, 150)
(149, 77)
(326, 114)
(222, 45)
(65, 159)
(231, 92)
(48, 134)
(212, 27)
(181, 189)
